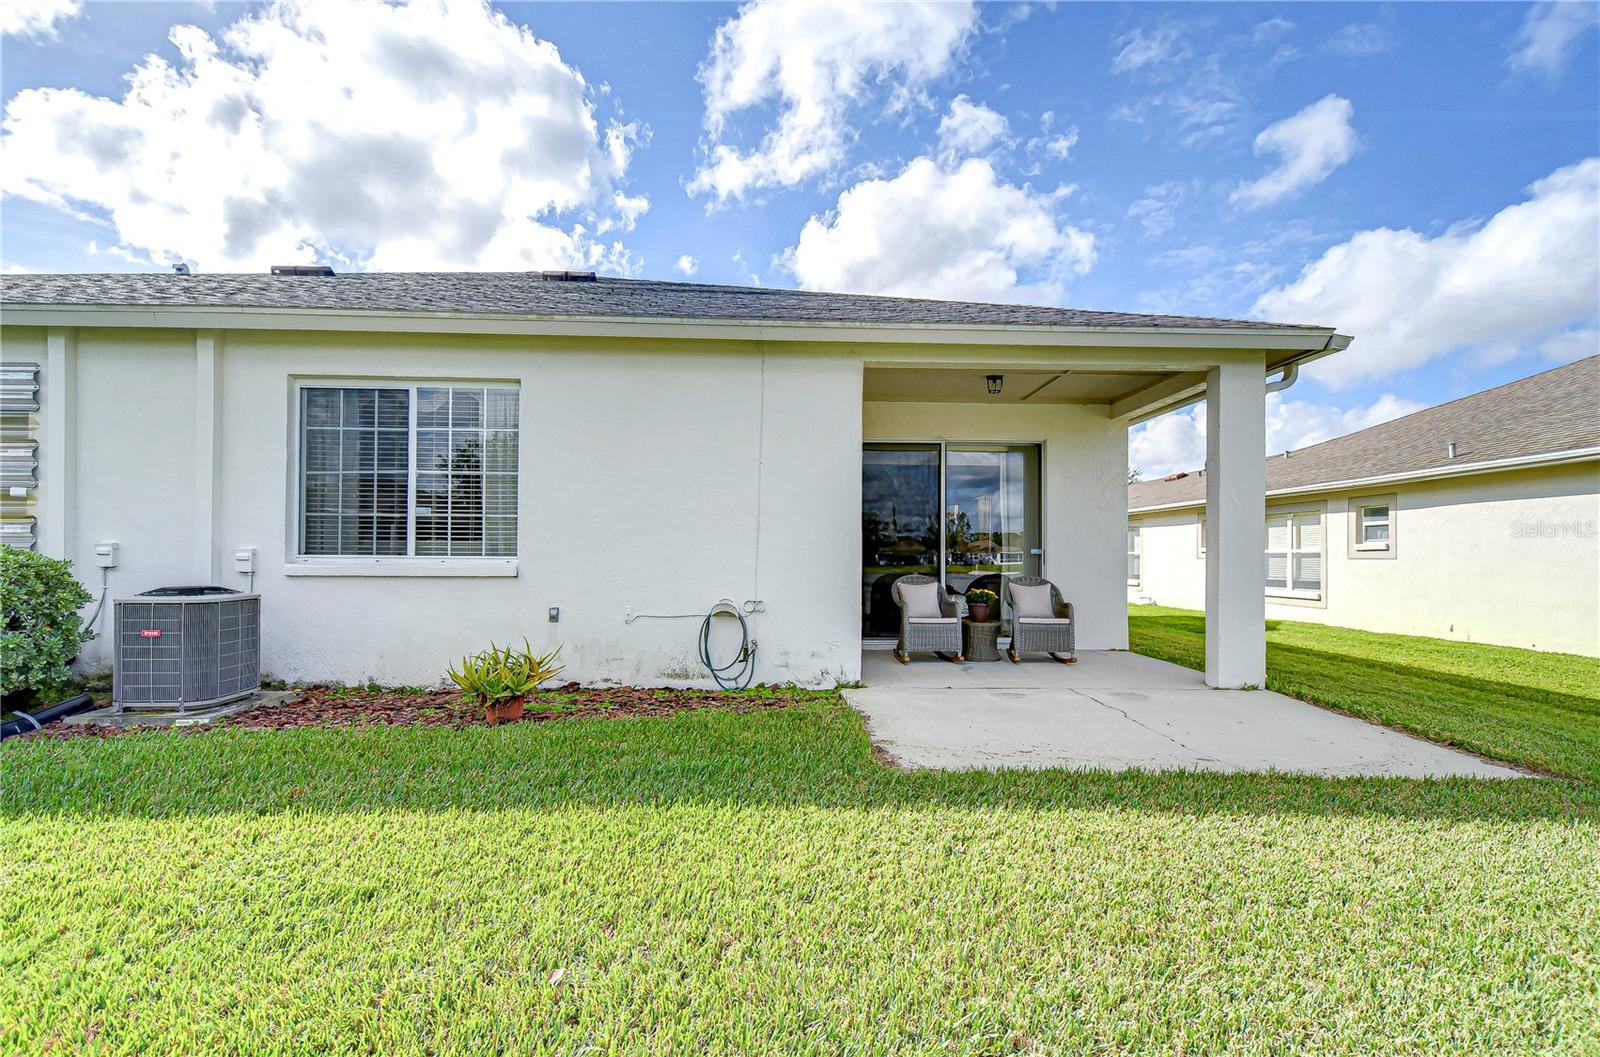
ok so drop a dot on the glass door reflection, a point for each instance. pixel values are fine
(900, 503)
(991, 518)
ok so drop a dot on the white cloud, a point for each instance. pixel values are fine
(1161, 43)
(1545, 41)
(814, 61)
(1170, 444)
(433, 134)
(970, 128)
(1309, 145)
(1052, 144)
(959, 233)
(37, 18)
(1177, 441)
(1361, 40)
(1155, 210)
(687, 265)
(1527, 276)
(1200, 95)
(1269, 31)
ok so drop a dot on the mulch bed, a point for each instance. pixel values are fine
(334, 706)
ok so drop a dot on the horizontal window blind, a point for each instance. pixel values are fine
(424, 470)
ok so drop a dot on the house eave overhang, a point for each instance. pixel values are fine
(1288, 339)
(1184, 392)
(1434, 473)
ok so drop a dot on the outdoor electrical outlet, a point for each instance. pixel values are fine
(555, 614)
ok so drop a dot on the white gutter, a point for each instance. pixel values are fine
(1287, 338)
(1520, 462)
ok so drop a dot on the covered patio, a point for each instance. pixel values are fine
(1115, 710)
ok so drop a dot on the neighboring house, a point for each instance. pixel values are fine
(1473, 520)
(424, 463)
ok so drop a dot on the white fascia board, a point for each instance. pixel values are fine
(1435, 473)
(1193, 394)
(1288, 339)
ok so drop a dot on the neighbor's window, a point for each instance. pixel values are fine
(1294, 551)
(1374, 526)
(1133, 554)
(401, 470)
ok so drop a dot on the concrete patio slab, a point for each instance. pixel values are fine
(1121, 710)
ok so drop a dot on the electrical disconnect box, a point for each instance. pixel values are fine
(105, 555)
(244, 560)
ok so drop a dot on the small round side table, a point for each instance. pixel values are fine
(981, 642)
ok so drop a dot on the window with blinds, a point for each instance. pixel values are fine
(1134, 553)
(408, 470)
(1294, 552)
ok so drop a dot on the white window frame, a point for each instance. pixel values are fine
(1289, 590)
(1136, 538)
(298, 564)
(1360, 546)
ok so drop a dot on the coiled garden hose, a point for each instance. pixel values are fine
(740, 672)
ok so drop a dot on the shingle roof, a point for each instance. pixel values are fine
(525, 293)
(1555, 411)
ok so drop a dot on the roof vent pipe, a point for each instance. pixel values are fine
(1450, 449)
(1290, 375)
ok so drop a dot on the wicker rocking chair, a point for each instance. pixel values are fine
(1036, 634)
(924, 634)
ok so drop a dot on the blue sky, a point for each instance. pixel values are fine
(1422, 176)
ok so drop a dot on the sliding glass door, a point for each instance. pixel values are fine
(900, 489)
(966, 514)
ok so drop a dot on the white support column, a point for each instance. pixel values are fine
(1236, 610)
(207, 454)
(57, 481)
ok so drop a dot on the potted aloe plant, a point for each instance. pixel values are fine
(501, 678)
(979, 604)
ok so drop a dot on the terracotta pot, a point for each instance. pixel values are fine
(505, 711)
(978, 612)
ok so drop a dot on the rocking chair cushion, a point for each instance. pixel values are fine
(1032, 602)
(921, 600)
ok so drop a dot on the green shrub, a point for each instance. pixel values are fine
(504, 674)
(40, 601)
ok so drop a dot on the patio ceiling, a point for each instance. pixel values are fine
(953, 386)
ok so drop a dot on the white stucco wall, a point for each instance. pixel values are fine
(655, 476)
(1509, 558)
(1084, 500)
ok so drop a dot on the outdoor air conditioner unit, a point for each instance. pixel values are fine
(185, 648)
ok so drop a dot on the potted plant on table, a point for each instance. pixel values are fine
(501, 678)
(980, 604)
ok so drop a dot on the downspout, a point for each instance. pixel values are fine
(1291, 370)
(1290, 375)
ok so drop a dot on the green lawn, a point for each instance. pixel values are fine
(1537, 709)
(757, 883)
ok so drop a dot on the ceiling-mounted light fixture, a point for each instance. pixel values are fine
(994, 382)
